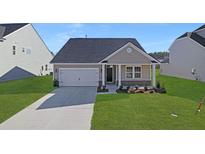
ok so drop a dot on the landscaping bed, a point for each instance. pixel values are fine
(141, 89)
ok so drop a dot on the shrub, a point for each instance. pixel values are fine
(56, 83)
(161, 90)
(128, 87)
(102, 89)
(158, 84)
(121, 87)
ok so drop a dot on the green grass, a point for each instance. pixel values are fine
(193, 90)
(16, 95)
(153, 111)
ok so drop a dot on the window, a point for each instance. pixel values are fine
(14, 49)
(129, 72)
(46, 67)
(133, 72)
(137, 72)
(28, 51)
(23, 49)
(42, 68)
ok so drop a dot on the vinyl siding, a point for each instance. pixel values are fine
(123, 57)
(25, 37)
(185, 54)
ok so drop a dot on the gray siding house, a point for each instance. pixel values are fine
(23, 52)
(187, 56)
(101, 61)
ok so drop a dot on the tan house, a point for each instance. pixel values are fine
(101, 61)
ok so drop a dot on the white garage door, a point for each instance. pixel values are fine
(78, 77)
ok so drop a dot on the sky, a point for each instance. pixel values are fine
(152, 37)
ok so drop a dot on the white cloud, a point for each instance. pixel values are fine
(65, 36)
(76, 25)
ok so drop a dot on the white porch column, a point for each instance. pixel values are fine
(103, 74)
(116, 73)
(154, 74)
(119, 75)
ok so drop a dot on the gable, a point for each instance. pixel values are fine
(186, 51)
(129, 54)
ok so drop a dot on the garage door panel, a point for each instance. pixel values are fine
(79, 77)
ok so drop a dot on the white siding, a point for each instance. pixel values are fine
(185, 54)
(27, 38)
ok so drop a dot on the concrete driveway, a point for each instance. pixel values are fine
(64, 108)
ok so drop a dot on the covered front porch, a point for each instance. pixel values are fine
(128, 74)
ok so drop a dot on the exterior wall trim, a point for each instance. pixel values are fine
(196, 42)
(199, 30)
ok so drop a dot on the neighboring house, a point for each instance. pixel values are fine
(100, 61)
(187, 56)
(165, 60)
(23, 52)
(2, 30)
(160, 56)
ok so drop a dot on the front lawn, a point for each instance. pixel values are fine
(153, 111)
(16, 95)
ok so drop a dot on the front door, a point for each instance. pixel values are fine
(109, 74)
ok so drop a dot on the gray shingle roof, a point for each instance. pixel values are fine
(10, 28)
(90, 50)
(194, 36)
(198, 38)
(202, 27)
(15, 74)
